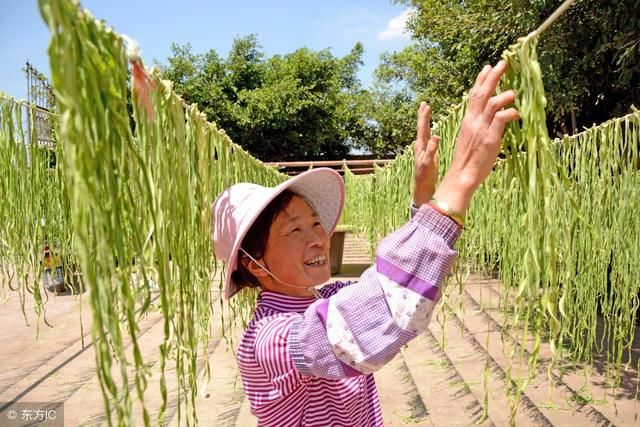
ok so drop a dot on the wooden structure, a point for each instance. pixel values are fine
(358, 167)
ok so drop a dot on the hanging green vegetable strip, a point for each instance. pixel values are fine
(543, 193)
(87, 65)
(141, 207)
(357, 206)
(575, 198)
(33, 216)
(202, 162)
(21, 225)
(602, 269)
(179, 205)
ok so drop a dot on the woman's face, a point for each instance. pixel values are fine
(297, 250)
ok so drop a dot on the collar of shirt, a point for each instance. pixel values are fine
(284, 303)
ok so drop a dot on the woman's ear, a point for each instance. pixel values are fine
(253, 267)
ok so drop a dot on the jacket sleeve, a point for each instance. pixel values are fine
(363, 326)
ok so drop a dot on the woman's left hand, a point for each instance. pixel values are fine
(425, 158)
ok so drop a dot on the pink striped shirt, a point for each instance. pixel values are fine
(309, 362)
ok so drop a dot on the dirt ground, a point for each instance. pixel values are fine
(439, 379)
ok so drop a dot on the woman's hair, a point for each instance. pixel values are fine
(255, 241)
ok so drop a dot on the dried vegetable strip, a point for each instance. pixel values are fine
(35, 215)
(140, 207)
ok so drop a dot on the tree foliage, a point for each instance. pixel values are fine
(303, 105)
(390, 120)
(590, 56)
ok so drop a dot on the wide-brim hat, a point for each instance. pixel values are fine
(236, 209)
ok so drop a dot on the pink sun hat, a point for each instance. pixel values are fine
(236, 208)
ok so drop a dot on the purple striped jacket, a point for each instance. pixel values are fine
(309, 362)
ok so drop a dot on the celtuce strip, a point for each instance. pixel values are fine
(140, 205)
(35, 213)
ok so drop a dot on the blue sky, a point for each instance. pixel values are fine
(282, 26)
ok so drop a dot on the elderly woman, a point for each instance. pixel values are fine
(308, 354)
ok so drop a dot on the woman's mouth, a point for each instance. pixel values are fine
(317, 261)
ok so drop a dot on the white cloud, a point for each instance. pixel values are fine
(396, 27)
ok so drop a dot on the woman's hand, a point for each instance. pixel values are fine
(425, 158)
(478, 142)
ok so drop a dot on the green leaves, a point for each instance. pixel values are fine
(303, 105)
(593, 75)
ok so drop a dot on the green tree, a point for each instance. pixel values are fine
(303, 105)
(389, 120)
(589, 57)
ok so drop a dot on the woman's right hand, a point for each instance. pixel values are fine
(478, 142)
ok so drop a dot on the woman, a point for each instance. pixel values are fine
(308, 355)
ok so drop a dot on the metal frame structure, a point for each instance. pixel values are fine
(42, 101)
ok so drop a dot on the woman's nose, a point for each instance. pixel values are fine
(316, 237)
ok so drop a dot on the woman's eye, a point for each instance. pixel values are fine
(317, 223)
(294, 230)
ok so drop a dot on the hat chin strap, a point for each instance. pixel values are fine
(313, 290)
